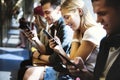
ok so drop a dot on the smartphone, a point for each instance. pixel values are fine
(68, 61)
(49, 36)
(24, 26)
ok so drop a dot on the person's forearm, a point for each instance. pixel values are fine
(62, 52)
(74, 47)
(37, 62)
(44, 58)
(40, 46)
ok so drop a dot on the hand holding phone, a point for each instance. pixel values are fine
(49, 36)
(24, 26)
(68, 62)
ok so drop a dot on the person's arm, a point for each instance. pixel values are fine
(74, 47)
(57, 47)
(81, 72)
(50, 60)
(81, 50)
(82, 46)
(75, 43)
(42, 57)
(40, 46)
(32, 36)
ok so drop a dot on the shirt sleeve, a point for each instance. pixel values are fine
(65, 35)
(94, 34)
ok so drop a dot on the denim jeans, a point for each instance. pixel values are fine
(50, 74)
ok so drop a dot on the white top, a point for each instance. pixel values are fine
(94, 35)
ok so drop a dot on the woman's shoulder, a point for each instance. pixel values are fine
(95, 30)
(94, 34)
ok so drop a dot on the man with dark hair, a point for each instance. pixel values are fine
(107, 65)
(52, 14)
(54, 3)
(108, 60)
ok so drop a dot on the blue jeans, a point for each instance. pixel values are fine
(50, 74)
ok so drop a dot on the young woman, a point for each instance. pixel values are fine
(87, 33)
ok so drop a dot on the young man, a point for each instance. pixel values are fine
(52, 13)
(107, 64)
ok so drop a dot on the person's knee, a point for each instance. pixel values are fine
(34, 73)
(28, 74)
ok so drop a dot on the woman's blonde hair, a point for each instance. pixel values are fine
(87, 18)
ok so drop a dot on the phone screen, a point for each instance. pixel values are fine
(48, 35)
(68, 61)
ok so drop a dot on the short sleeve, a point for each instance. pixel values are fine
(94, 34)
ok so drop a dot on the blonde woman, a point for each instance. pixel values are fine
(87, 33)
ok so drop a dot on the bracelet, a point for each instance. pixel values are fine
(75, 40)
